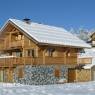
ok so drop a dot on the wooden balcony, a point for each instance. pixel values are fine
(13, 44)
(1, 46)
(17, 43)
(11, 62)
(85, 60)
(54, 60)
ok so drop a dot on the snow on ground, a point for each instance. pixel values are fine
(87, 88)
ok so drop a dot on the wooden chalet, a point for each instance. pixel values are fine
(25, 43)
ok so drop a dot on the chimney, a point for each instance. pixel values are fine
(27, 20)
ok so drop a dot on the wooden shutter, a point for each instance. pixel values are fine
(57, 73)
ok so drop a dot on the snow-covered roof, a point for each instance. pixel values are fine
(45, 34)
(88, 66)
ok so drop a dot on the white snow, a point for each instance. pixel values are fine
(88, 66)
(87, 88)
(5, 56)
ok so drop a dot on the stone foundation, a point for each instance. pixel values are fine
(41, 75)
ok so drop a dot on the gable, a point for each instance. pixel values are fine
(9, 27)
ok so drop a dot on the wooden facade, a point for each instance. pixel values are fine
(16, 44)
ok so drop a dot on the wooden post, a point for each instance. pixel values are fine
(9, 40)
(65, 58)
(23, 56)
(44, 56)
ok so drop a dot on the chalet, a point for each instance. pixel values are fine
(34, 53)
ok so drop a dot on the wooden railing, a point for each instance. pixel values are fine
(10, 62)
(16, 43)
(1, 46)
(13, 44)
(30, 60)
(85, 60)
(54, 60)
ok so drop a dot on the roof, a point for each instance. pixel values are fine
(45, 34)
(88, 66)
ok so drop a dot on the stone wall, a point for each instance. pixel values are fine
(41, 75)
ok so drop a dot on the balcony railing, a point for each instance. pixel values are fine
(13, 44)
(10, 62)
(13, 61)
(85, 60)
(1, 46)
(16, 43)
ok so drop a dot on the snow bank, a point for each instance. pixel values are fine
(87, 88)
(10, 84)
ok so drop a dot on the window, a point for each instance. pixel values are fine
(57, 73)
(19, 54)
(31, 53)
(49, 51)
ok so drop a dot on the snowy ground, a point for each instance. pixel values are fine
(61, 89)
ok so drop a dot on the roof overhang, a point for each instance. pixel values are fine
(59, 45)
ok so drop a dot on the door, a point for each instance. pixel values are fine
(71, 75)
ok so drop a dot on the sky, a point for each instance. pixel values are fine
(62, 13)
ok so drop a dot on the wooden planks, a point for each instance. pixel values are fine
(85, 60)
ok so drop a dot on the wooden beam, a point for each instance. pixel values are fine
(44, 56)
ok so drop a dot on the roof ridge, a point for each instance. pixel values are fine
(45, 25)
